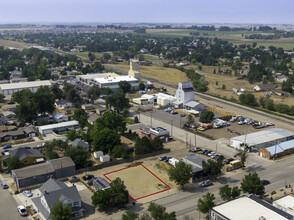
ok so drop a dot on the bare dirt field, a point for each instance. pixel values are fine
(16, 44)
(157, 72)
(139, 181)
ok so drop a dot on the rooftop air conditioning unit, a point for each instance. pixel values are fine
(261, 218)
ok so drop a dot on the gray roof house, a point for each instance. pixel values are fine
(62, 104)
(53, 191)
(79, 142)
(59, 117)
(27, 156)
(3, 120)
(40, 173)
(92, 118)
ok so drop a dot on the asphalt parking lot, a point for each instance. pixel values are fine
(174, 120)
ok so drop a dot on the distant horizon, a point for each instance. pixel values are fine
(147, 11)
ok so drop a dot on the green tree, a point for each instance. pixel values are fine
(91, 56)
(106, 56)
(52, 155)
(252, 184)
(44, 73)
(72, 135)
(269, 104)
(60, 212)
(79, 155)
(130, 215)
(243, 153)
(211, 167)
(44, 98)
(105, 139)
(158, 212)
(102, 199)
(206, 203)
(58, 93)
(157, 144)
(93, 93)
(112, 121)
(81, 116)
(248, 99)
(119, 152)
(115, 196)
(12, 163)
(206, 116)
(125, 86)
(117, 101)
(71, 94)
(181, 173)
(282, 108)
(141, 86)
(26, 111)
(227, 193)
(2, 98)
(190, 120)
(143, 146)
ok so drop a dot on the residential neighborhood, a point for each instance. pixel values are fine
(147, 110)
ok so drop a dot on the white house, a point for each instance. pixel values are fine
(62, 104)
(59, 117)
(281, 78)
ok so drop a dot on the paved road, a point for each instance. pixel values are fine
(8, 206)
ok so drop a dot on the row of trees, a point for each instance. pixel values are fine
(267, 103)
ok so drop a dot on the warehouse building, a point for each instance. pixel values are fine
(262, 139)
(113, 81)
(277, 150)
(10, 88)
(90, 77)
(63, 126)
(245, 208)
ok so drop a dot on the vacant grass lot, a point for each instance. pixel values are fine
(139, 181)
(157, 72)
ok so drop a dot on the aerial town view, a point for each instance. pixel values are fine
(146, 110)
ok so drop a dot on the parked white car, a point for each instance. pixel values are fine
(27, 193)
(22, 210)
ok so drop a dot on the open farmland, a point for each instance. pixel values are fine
(234, 37)
(16, 44)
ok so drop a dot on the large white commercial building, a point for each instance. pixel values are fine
(263, 138)
(285, 204)
(69, 125)
(90, 77)
(112, 82)
(10, 88)
(247, 208)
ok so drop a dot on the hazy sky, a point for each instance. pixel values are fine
(169, 11)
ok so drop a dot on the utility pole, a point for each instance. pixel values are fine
(151, 119)
(195, 139)
(171, 127)
(186, 140)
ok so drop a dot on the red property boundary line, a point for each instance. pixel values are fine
(168, 188)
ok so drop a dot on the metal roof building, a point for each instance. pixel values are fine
(112, 82)
(286, 204)
(262, 139)
(70, 125)
(10, 88)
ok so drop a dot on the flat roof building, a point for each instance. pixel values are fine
(262, 139)
(63, 126)
(90, 77)
(112, 82)
(10, 88)
(247, 208)
(151, 132)
(285, 204)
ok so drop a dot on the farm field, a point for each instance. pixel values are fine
(234, 37)
(139, 180)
